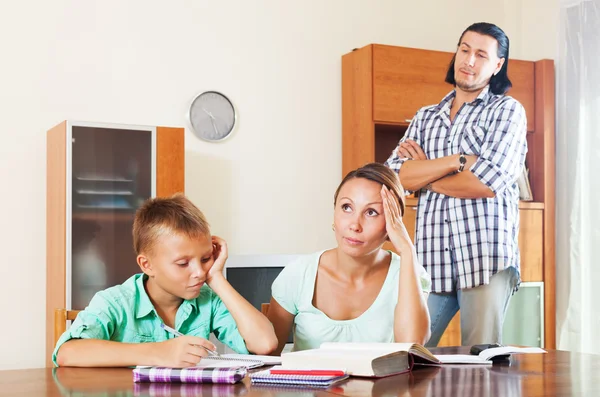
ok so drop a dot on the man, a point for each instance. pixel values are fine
(465, 155)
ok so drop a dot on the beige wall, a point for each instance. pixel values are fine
(266, 190)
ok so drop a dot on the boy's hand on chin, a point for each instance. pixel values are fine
(220, 257)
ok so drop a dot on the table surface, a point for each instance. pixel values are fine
(554, 373)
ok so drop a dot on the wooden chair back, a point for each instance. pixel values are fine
(61, 316)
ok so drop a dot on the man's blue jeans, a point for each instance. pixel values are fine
(482, 310)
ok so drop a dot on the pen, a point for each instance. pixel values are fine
(177, 333)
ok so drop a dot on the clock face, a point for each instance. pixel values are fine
(212, 116)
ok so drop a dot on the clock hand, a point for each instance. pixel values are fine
(215, 127)
(209, 114)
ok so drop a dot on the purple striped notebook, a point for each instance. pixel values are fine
(188, 389)
(189, 375)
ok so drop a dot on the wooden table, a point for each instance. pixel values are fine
(556, 373)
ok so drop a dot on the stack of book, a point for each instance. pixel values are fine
(281, 376)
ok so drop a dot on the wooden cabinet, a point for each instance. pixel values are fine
(97, 176)
(409, 219)
(382, 89)
(521, 74)
(531, 244)
(405, 79)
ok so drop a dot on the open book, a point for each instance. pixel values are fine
(486, 356)
(361, 359)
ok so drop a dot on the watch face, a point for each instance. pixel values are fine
(462, 159)
(212, 116)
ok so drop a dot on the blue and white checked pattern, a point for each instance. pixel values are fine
(463, 242)
(189, 375)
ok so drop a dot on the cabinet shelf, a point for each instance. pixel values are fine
(105, 192)
(392, 124)
(103, 179)
(104, 216)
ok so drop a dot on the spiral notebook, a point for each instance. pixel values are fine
(266, 377)
(267, 360)
(233, 360)
(226, 362)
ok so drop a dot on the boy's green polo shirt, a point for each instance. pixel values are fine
(124, 313)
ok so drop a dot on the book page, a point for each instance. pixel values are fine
(485, 356)
(421, 351)
(461, 359)
(500, 351)
(380, 348)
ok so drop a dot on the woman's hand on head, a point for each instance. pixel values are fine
(395, 228)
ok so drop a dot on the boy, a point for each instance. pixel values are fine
(177, 256)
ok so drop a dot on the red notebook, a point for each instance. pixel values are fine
(298, 379)
(310, 372)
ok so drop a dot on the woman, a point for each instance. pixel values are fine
(356, 292)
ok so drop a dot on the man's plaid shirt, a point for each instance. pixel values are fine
(463, 242)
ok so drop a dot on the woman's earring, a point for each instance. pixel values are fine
(333, 226)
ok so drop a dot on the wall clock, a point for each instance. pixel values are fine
(212, 116)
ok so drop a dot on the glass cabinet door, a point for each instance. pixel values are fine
(524, 320)
(112, 173)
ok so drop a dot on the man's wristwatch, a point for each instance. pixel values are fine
(462, 160)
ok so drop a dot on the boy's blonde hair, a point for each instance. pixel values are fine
(166, 215)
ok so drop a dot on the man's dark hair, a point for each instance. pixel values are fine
(499, 83)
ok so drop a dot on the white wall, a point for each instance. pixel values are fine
(266, 190)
